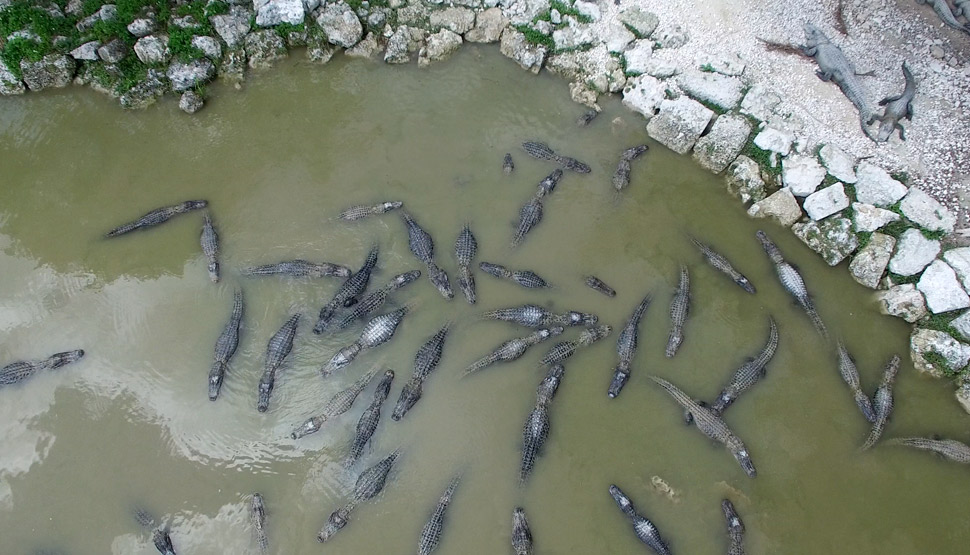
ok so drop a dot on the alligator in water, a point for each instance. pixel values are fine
(597, 284)
(257, 515)
(949, 449)
(621, 177)
(513, 348)
(425, 361)
(751, 372)
(626, 346)
(587, 117)
(548, 184)
(525, 278)
(644, 529)
(720, 263)
(378, 330)
(375, 300)
(370, 418)
(565, 349)
(883, 402)
(410, 394)
(298, 268)
(534, 316)
(465, 249)
(210, 246)
(679, 307)
(536, 427)
(370, 483)
(942, 9)
(160, 537)
(21, 370)
(529, 216)
(711, 425)
(348, 292)
(279, 346)
(542, 151)
(158, 216)
(521, 533)
(337, 405)
(508, 166)
(431, 532)
(362, 211)
(897, 108)
(792, 282)
(850, 374)
(735, 528)
(226, 346)
(422, 246)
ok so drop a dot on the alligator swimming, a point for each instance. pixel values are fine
(534, 316)
(644, 529)
(548, 183)
(419, 240)
(897, 108)
(949, 449)
(626, 346)
(792, 282)
(279, 346)
(565, 349)
(513, 348)
(711, 425)
(850, 374)
(362, 211)
(536, 427)
(749, 373)
(410, 394)
(587, 117)
(298, 268)
(348, 292)
(431, 532)
(157, 216)
(440, 280)
(210, 246)
(370, 418)
(525, 278)
(735, 528)
(521, 533)
(597, 284)
(375, 300)
(508, 166)
(429, 354)
(720, 263)
(226, 346)
(257, 515)
(621, 177)
(529, 216)
(21, 370)
(679, 307)
(883, 402)
(465, 249)
(942, 9)
(337, 405)
(378, 330)
(542, 151)
(370, 483)
(160, 536)
(834, 66)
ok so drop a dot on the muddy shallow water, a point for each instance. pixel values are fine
(130, 424)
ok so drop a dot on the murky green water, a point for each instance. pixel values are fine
(130, 425)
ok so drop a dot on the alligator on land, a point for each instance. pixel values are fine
(425, 362)
(735, 528)
(883, 402)
(278, 348)
(375, 300)
(431, 532)
(298, 268)
(536, 427)
(850, 375)
(21, 370)
(597, 284)
(679, 307)
(362, 211)
(513, 348)
(534, 316)
(897, 108)
(210, 246)
(465, 249)
(348, 292)
(525, 278)
(257, 516)
(942, 9)
(719, 262)
(949, 449)
(370, 418)
(521, 533)
(226, 346)
(370, 483)
(644, 529)
(792, 282)
(157, 216)
(626, 346)
(378, 330)
(337, 405)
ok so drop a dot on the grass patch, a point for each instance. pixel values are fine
(933, 235)
(535, 37)
(940, 363)
(180, 44)
(864, 238)
(707, 68)
(895, 229)
(284, 30)
(902, 177)
(901, 280)
(850, 192)
(941, 322)
(132, 73)
(565, 9)
(21, 49)
(763, 159)
(712, 107)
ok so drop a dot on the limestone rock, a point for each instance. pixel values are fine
(875, 186)
(233, 68)
(775, 140)
(722, 145)
(185, 76)
(515, 46)
(637, 57)
(679, 123)
(870, 262)
(924, 341)
(209, 46)
(941, 288)
(457, 20)
(913, 253)
(781, 206)
(573, 37)
(264, 47)
(274, 12)
(596, 67)
(398, 47)
(87, 51)
(367, 48)
(153, 49)
(9, 83)
(641, 22)
(903, 301)
(106, 12)
(760, 102)
(959, 260)
(488, 26)
(618, 37)
(725, 64)
(439, 46)
(671, 36)
(589, 9)
(838, 163)
(825, 202)
(146, 92)
(184, 22)
(744, 180)
(832, 238)
(415, 14)
(113, 52)
(714, 88)
(962, 325)
(643, 94)
(232, 27)
(190, 102)
(340, 24)
(925, 211)
(582, 94)
(867, 217)
(661, 69)
(143, 26)
(53, 70)
(802, 174)
(963, 396)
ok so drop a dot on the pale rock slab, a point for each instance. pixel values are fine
(870, 218)
(720, 90)
(781, 206)
(679, 123)
(832, 238)
(802, 174)
(643, 94)
(775, 140)
(903, 301)
(959, 260)
(875, 186)
(825, 202)
(913, 253)
(941, 288)
(839, 163)
(924, 341)
(925, 211)
(723, 143)
(869, 264)
(744, 180)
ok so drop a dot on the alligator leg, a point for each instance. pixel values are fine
(809, 50)
(824, 75)
(902, 134)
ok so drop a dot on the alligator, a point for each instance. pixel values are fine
(513, 348)
(210, 246)
(257, 515)
(525, 278)
(429, 354)
(419, 240)
(834, 66)
(298, 268)
(362, 211)
(644, 529)
(279, 346)
(565, 349)
(157, 216)
(465, 249)
(536, 427)
(19, 371)
(942, 9)
(534, 316)
(226, 346)
(410, 394)
(375, 300)
(792, 282)
(720, 263)
(521, 533)
(748, 374)
(587, 117)
(735, 528)
(548, 183)
(337, 405)
(369, 483)
(371, 416)
(850, 374)
(597, 284)
(160, 536)
(897, 108)
(949, 449)
(621, 177)
(679, 307)
(542, 151)
(508, 166)
(440, 280)
(883, 402)
(348, 292)
(626, 346)
(550, 384)
(378, 330)
(962, 8)
(711, 425)
(431, 532)
(529, 216)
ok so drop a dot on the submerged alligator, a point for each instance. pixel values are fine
(751, 372)
(792, 282)
(942, 9)
(277, 349)
(210, 246)
(541, 151)
(369, 484)
(160, 536)
(431, 532)
(362, 211)
(596, 284)
(850, 375)
(534, 316)
(508, 166)
(644, 529)
(565, 349)
(883, 402)
(157, 216)
(626, 346)
(425, 362)
(298, 268)
(536, 427)
(338, 404)
(378, 330)
(513, 348)
(21, 370)
(466, 247)
(621, 177)
(521, 533)
(422, 246)
(370, 418)
(226, 346)
(679, 307)
(897, 108)
(949, 449)
(720, 263)
(735, 528)
(525, 278)
(348, 292)
(587, 117)
(375, 300)
(257, 516)
(834, 66)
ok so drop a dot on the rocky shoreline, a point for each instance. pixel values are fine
(842, 208)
